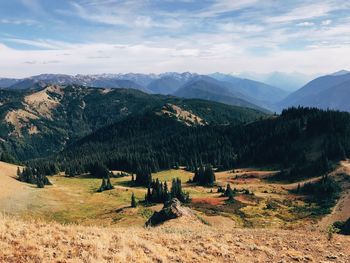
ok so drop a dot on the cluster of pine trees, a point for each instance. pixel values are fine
(157, 192)
(325, 192)
(204, 175)
(106, 184)
(33, 176)
(327, 187)
(99, 170)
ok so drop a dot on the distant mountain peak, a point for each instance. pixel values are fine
(340, 72)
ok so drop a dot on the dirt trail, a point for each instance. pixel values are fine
(341, 211)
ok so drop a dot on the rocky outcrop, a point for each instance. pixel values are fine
(171, 210)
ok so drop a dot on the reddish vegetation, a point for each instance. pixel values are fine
(209, 200)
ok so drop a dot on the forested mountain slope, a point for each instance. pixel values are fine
(301, 142)
(40, 122)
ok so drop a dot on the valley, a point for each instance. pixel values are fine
(76, 200)
(174, 131)
(96, 164)
(107, 159)
(69, 221)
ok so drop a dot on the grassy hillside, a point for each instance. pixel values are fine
(257, 202)
(183, 240)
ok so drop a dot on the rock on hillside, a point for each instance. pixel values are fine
(171, 210)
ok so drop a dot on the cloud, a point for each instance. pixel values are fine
(27, 22)
(33, 5)
(128, 14)
(97, 36)
(201, 58)
(224, 6)
(40, 43)
(306, 24)
(326, 22)
(303, 12)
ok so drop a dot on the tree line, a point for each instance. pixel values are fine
(302, 142)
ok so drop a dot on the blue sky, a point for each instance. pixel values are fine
(115, 36)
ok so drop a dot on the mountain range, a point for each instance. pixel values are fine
(216, 87)
(329, 91)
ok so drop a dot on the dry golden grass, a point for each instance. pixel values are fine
(42, 103)
(180, 240)
(176, 241)
(180, 114)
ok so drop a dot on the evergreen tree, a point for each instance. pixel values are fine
(157, 192)
(109, 185)
(149, 194)
(133, 200)
(103, 186)
(204, 176)
(229, 192)
(40, 182)
(166, 195)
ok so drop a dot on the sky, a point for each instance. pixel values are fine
(154, 36)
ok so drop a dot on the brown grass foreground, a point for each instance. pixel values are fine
(176, 241)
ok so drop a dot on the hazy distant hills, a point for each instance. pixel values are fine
(255, 92)
(207, 88)
(7, 82)
(330, 91)
(287, 81)
(169, 83)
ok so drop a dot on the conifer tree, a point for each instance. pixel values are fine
(204, 176)
(149, 194)
(229, 192)
(109, 185)
(103, 185)
(133, 200)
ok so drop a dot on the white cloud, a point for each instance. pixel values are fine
(224, 6)
(240, 28)
(202, 58)
(18, 21)
(138, 39)
(326, 22)
(40, 43)
(306, 24)
(125, 14)
(303, 12)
